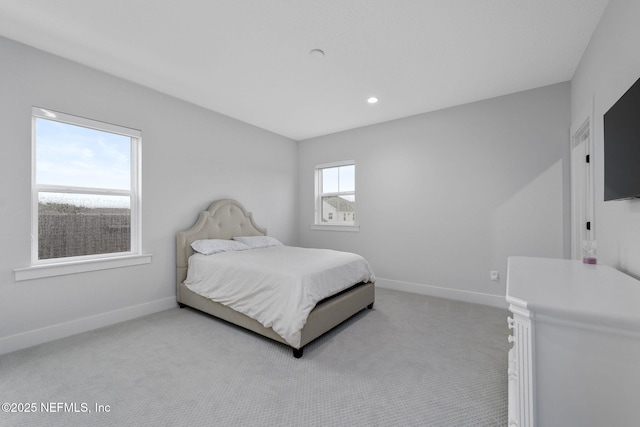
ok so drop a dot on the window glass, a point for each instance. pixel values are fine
(71, 225)
(347, 178)
(330, 180)
(338, 179)
(76, 156)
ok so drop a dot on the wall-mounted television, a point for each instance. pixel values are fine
(622, 147)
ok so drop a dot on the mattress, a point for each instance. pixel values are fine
(278, 286)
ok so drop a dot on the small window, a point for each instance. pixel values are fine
(336, 193)
(85, 191)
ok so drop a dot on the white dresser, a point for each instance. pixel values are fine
(575, 359)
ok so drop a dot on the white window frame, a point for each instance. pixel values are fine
(68, 265)
(337, 226)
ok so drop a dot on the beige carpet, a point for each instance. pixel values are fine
(412, 360)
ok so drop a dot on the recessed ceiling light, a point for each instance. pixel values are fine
(316, 53)
(372, 100)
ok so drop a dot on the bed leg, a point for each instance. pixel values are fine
(181, 305)
(297, 353)
(370, 306)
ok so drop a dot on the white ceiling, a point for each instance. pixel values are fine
(249, 59)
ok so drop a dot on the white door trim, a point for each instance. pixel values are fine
(582, 181)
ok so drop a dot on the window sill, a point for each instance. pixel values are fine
(335, 227)
(63, 268)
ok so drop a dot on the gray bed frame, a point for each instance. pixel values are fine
(226, 219)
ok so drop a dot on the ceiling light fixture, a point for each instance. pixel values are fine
(372, 100)
(316, 53)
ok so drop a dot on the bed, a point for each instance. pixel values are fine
(226, 219)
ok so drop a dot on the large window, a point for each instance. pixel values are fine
(85, 197)
(336, 193)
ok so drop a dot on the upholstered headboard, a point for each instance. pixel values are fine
(224, 219)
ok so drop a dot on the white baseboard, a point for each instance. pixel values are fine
(61, 330)
(448, 293)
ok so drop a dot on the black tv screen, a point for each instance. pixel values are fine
(622, 147)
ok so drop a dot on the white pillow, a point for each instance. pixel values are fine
(215, 246)
(257, 242)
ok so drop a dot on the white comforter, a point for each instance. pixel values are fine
(277, 286)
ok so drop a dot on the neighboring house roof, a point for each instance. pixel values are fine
(342, 205)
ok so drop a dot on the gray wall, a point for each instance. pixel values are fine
(443, 198)
(610, 65)
(190, 156)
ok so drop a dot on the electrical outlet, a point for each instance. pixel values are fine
(494, 275)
